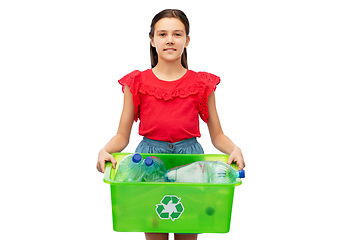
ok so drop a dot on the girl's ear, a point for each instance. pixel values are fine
(152, 42)
(187, 41)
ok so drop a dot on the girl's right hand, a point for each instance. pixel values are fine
(104, 157)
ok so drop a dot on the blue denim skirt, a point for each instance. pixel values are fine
(187, 146)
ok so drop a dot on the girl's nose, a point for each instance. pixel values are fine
(169, 41)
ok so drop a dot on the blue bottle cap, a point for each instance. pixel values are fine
(149, 161)
(241, 173)
(136, 158)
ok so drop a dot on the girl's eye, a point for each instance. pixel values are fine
(162, 34)
(178, 34)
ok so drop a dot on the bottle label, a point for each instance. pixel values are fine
(170, 207)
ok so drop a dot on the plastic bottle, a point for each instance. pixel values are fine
(204, 172)
(154, 169)
(220, 172)
(194, 172)
(130, 169)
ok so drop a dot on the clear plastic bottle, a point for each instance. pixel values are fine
(154, 169)
(193, 172)
(130, 169)
(204, 172)
(220, 172)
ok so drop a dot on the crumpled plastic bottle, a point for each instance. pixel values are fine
(204, 172)
(154, 169)
(130, 169)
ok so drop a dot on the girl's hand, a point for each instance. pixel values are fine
(236, 156)
(104, 157)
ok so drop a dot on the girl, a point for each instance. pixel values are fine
(168, 98)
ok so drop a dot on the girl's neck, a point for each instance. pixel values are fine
(169, 72)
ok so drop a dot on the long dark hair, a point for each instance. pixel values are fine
(168, 13)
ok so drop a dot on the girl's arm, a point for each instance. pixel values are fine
(121, 139)
(219, 139)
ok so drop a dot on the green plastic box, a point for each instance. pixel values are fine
(171, 207)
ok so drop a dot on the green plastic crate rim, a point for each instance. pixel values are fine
(198, 207)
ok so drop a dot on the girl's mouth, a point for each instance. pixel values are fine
(169, 50)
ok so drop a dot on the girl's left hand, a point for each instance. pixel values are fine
(236, 156)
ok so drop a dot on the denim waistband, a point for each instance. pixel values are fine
(180, 144)
(187, 146)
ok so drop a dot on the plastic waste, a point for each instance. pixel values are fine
(194, 172)
(130, 169)
(154, 169)
(204, 172)
(220, 172)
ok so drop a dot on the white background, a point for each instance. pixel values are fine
(281, 99)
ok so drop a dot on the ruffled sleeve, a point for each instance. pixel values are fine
(207, 83)
(133, 80)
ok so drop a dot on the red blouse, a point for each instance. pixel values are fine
(169, 110)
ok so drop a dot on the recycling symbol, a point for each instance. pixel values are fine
(170, 207)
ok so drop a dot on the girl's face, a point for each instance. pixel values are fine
(169, 39)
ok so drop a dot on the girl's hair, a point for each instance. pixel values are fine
(168, 13)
